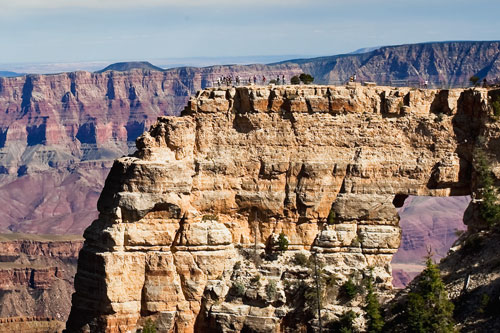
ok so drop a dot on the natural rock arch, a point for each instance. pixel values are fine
(242, 165)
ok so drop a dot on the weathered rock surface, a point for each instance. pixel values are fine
(187, 226)
(442, 64)
(36, 281)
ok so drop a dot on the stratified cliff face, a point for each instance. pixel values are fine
(442, 64)
(426, 223)
(189, 226)
(36, 281)
(57, 132)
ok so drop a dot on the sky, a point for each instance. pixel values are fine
(104, 31)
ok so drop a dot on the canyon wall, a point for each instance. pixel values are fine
(36, 281)
(60, 133)
(192, 227)
(442, 64)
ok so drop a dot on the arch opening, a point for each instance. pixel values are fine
(426, 223)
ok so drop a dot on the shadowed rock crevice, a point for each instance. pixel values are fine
(27, 93)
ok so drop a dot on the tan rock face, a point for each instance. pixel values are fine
(188, 222)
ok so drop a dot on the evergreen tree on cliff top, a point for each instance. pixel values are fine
(428, 309)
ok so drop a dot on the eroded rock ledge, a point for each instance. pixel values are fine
(191, 216)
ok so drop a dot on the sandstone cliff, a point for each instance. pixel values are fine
(189, 225)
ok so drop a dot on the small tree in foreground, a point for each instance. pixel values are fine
(374, 320)
(428, 308)
(283, 242)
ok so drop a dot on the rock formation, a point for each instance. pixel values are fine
(190, 225)
(443, 64)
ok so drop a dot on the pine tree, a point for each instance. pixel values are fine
(428, 308)
(374, 320)
(489, 209)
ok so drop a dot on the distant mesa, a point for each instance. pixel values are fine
(10, 74)
(127, 66)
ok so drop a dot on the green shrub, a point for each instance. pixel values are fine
(283, 242)
(311, 298)
(489, 209)
(496, 108)
(149, 326)
(306, 78)
(300, 259)
(295, 80)
(255, 279)
(349, 289)
(238, 289)
(210, 217)
(271, 289)
(473, 243)
(345, 324)
(474, 80)
(273, 82)
(331, 217)
(439, 117)
(485, 301)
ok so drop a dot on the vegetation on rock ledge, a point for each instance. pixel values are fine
(489, 209)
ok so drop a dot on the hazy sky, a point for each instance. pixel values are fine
(113, 30)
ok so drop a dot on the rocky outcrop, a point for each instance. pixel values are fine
(31, 324)
(190, 226)
(12, 245)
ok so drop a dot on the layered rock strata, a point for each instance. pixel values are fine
(54, 128)
(36, 281)
(189, 226)
(57, 131)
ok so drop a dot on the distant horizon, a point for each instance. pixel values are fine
(169, 63)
